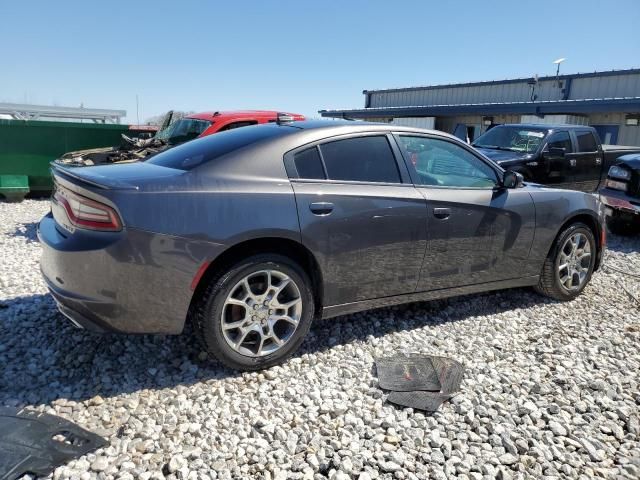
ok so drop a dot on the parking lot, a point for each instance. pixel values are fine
(550, 389)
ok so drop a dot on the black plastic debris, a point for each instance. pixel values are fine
(37, 443)
(422, 382)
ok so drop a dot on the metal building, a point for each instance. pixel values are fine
(609, 101)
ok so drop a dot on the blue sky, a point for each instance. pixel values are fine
(298, 56)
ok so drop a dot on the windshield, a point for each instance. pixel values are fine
(515, 139)
(183, 130)
(211, 147)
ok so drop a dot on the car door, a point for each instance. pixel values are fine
(559, 169)
(360, 215)
(477, 231)
(587, 161)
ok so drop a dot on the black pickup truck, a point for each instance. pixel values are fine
(563, 156)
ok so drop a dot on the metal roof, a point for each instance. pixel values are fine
(21, 111)
(629, 71)
(624, 104)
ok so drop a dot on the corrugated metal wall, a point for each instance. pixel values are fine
(608, 86)
(627, 135)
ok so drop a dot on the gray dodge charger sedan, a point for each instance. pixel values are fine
(251, 234)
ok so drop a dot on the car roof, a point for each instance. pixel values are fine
(337, 127)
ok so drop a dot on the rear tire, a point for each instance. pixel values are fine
(619, 225)
(568, 269)
(257, 313)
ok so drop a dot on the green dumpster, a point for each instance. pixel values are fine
(14, 187)
(28, 146)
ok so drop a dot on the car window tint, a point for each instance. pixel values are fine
(362, 159)
(586, 142)
(202, 150)
(560, 140)
(233, 125)
(309, 164)
(445, 164)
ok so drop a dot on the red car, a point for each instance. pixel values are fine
(213, 122)
(172, 134)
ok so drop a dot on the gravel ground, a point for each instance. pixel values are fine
(550, 389)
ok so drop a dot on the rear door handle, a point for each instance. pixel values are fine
(321, 208)
(442, 213)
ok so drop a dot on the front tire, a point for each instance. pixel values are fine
(257, 313)
(570, 263)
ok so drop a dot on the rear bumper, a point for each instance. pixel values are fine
(128, 282)
(77, 312)
(619, 201)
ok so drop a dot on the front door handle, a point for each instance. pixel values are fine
(321, 208)
(442, 213)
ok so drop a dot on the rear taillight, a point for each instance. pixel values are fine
(86, 213)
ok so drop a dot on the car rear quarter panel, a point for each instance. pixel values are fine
(174, 226)
(202, 217)
(554, 208)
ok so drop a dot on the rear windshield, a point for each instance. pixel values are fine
(202, 150)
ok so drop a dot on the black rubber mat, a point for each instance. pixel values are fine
(37, 443)
(422, 382)
(406, 373)
(419, 400)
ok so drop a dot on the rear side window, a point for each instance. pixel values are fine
(202, 150)
(362, 159)
(586, 142)
(309, 164)
(233, 125)
(560, 140)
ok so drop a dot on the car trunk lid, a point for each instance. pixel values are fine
(84, 197)
(130, 176)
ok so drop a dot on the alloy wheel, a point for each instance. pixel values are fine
(261, 313)
(574, 261)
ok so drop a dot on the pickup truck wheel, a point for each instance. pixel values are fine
(257, 313)
(569, 265)
(619, 225)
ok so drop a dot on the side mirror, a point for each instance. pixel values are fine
(512, 179)
(554, 153)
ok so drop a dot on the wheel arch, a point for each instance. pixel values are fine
(264, 245)
(589, 218)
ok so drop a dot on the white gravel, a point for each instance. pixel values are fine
(550, 389)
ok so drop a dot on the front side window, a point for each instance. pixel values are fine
(445, 164)
(586, 142)
(560, 140)
(361, 159)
